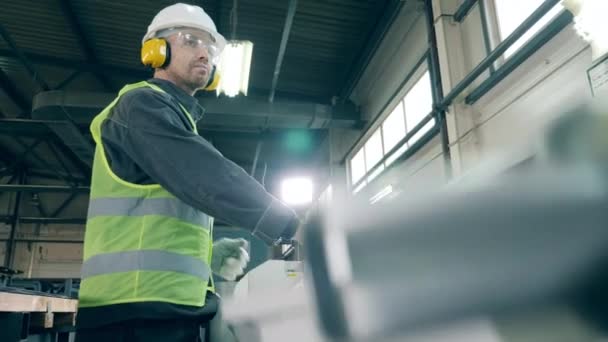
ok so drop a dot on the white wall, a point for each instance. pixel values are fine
(510, 118)
(400, 50)
(506, 122)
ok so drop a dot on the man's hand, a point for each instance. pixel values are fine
(230, 257)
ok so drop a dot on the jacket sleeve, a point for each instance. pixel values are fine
(159, 141)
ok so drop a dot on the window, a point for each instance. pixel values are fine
(376, 173)
(357, 166)
(512, 13)
(418, 104)
(396, 155)
(409, 112)
(393, 128)
(373, 150)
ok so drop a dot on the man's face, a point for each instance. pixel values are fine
(193, 54)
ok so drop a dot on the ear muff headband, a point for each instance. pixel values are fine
(156, 53)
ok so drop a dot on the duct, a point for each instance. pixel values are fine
(81, 107)
(65, 112)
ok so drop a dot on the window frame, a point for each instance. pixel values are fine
(491, 17)
(414, 77)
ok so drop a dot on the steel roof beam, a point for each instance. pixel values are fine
(291, 11)
(23, 58)
(13, 93)
(90, 55)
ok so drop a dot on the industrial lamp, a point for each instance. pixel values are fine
(234, 68)
(297, 190)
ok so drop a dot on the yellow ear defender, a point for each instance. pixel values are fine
(214, 80)
(156, 53)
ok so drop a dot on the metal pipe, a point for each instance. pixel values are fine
(499, 51)
(10, 244)
(452, 254)
(46, 220)
(46, 240)
(258, 148)
(463, 10)
(42, 188)
(53, 220)
(291, 11)
(555, 27)
(437, 88)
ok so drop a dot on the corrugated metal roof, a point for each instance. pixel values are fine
(326, 36)
(39, 26)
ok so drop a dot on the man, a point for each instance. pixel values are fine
(156, 187)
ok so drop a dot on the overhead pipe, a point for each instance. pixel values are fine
(46, 220)
(291, 11)
(42, 188)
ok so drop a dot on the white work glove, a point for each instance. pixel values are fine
(230, 257)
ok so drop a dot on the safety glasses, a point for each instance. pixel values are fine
(194, 39)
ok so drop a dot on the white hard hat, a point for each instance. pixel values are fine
(183, 15)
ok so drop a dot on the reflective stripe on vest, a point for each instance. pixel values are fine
(145, 260)
(136, 206)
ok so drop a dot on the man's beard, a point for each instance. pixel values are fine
(198, 82)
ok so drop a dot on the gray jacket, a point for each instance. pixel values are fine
(149, 139)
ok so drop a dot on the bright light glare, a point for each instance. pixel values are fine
(512, 13)
(297, 191)
(590, 22)
(234, 68)
(380, 195)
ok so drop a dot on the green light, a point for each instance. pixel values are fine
(298, 141)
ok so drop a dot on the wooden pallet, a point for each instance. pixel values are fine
(45, 312)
